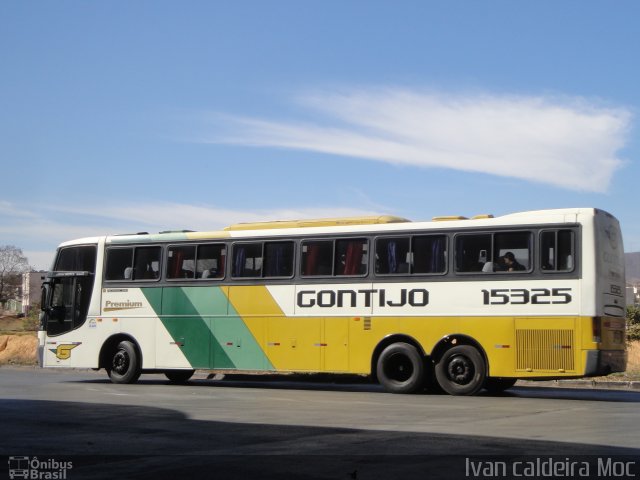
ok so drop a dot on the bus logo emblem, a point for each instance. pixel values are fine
(63, 352)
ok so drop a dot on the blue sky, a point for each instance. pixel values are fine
(153, 115)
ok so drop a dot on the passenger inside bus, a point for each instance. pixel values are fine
(508, 263)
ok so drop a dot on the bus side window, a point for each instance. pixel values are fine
(211, 260)
(317, 257)
(247, 260)
(557, 251)
(181, 262)
(512, 251)
(351, 257)
(147, 263)
(119, 264)
(565, 250)
(471, 252)
(393, 256)
(139, 263)
(278, 259)
(429, 254)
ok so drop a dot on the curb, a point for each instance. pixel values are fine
(592, 384)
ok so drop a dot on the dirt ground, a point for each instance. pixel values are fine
(17, 344)
(18, 349)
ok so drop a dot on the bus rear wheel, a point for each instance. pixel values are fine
(124, 364)
(401, 368)
(461, 370)
(179, 376)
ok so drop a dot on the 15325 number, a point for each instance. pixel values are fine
(524, 296)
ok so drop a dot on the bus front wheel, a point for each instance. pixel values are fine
(124, 364)
(461, 370)
(401, 368)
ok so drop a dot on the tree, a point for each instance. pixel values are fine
(12, 264)
(633, 323)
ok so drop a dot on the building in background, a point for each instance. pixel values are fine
(31, 285)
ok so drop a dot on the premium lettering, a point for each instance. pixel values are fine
(110, 306)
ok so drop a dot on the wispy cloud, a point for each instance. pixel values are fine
(166, 215)
(568, 142)
(36, 228)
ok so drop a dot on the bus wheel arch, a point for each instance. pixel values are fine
(121, 357)
(398, 363)
(461, 365)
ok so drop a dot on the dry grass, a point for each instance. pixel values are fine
(18, 349)
(11, 324)
(633, 364)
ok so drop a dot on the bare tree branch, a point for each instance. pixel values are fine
(12, 264)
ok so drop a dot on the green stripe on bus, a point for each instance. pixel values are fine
(233, 339)
(211, 335)
(187, 313)
(247, 355)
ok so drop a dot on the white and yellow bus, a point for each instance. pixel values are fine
(461, 303)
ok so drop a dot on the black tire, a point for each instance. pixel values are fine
(461, 370)
(124, 364)
(499, 385)
(401, 369)
(179, 376)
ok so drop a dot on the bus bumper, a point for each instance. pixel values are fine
(604, 362)
(41, 356)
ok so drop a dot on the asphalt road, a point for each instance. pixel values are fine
(250, 427)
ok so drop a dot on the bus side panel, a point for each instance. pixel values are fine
(207, 331)
(243, 338)
(261, 316)
(496, 338)
(325, 317)
(335, 344)
(134, 312)
(182, 315)
(76, 349)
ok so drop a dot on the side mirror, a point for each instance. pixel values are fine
(44, 296)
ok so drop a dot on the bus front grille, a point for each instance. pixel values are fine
(544, 350)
